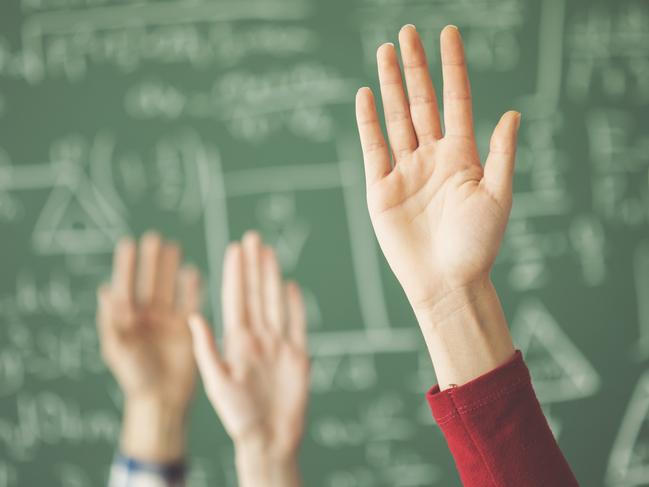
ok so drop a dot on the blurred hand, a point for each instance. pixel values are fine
(438, 214)
(146, 344)
(258, 384)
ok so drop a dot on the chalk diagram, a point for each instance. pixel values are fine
(560, 372)
(77, 218)
(641, 276)
(629, 461)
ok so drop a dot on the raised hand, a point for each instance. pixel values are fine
(439, 216)
(145, 342)
(258, 384)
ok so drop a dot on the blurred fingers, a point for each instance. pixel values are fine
(103, 307)
(252, 250)
(235, 317)
(190, 288)
(208, 359)
(273, 291)
(165, 286)
(148, 268)
(297, 329)
(114, 319)
(123, 279)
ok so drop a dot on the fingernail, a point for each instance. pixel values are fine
(452, 26)
(409, 25)
(518, 121)
(382, 47)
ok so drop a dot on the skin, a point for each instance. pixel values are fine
(258, 383)
(146, 345)
(439, 214)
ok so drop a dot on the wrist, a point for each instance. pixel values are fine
(153, 430)
(452, 300)
(258, 462)
(466, 333)
(259, 447)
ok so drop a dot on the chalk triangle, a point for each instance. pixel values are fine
(76, 218)
(629, 461)
(560, 372)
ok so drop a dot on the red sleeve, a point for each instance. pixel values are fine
(497, 432)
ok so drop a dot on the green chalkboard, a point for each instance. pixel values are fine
(203, 118)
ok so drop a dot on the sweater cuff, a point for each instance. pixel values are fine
(506, 378)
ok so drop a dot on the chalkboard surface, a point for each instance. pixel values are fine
(203, 118)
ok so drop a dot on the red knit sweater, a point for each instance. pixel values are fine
(497, 432)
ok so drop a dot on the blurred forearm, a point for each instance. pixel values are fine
(257, 464)
(153, 431)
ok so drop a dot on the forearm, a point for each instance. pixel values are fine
(257, 464)
(153, 431)
(466, 334)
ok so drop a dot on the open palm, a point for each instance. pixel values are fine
(142, 321)
(259, 386)
(438, 214)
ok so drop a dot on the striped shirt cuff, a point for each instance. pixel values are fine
(129, 472)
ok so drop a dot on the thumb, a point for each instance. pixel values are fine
(499, 168)
(209, 361)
